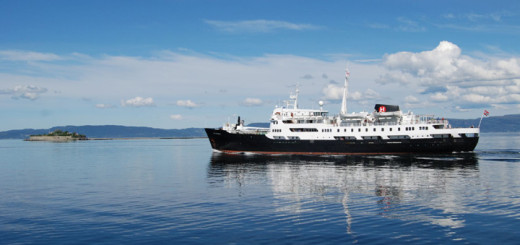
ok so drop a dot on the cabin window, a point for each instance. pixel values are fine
(303, 130)
(382, 129)
(374, 129)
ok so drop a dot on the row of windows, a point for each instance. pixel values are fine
(276, 130)
(366, 130)
(324, 114)
(328, 130)
(383, 129)
(304, 130)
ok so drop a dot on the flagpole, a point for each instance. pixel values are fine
(486, 113)
(480, 120)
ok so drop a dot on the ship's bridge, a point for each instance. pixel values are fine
(298, 114)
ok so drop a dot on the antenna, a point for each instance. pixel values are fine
(295, 96)
(345, 90)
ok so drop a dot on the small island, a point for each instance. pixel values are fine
(57, 136)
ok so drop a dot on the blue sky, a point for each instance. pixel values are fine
(176, 64)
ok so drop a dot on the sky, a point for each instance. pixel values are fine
(180, 64)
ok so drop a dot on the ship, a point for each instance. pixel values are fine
(386, 130)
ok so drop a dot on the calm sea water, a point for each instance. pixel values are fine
(179, 191)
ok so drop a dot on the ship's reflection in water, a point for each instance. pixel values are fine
(427, 189)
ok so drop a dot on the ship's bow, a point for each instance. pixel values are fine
(214, 136)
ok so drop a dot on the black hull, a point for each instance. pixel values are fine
(223, 141)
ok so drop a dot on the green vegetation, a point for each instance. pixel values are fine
(64, 133)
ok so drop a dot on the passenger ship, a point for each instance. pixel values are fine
(387, 130)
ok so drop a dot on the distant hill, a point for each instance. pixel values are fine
(108, 131)
(507, 123)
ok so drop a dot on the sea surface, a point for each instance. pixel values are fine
(177, 191)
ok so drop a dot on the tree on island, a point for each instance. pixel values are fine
(59, 132)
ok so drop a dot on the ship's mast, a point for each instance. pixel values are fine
(345, 89)
(295, 97)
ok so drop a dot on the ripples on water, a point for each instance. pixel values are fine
(178, 191)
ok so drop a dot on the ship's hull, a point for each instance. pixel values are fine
(223, 141)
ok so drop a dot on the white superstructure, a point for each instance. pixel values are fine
(386, 122)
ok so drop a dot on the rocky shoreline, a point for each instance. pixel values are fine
(52, 138)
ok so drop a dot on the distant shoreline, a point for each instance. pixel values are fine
(63, 139)
(147, 138)
(506, 123)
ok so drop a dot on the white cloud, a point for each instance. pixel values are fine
(371, 94)
(356, 95)
(252, 102)
(460, 109)
(402, 24)
(187, 103)
(307, 76)
(408, 25)
(335, 92)
(104, 106)
(17, 55)
(30, 92)
(332, 92)
(439, 97)
(176, 117)
(411, 99)
(257, 25)
(138, 102)
(438, 63)
(463, 79)
(479, 17)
